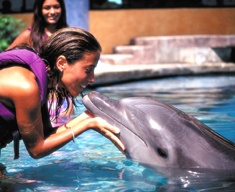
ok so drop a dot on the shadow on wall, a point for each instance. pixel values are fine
(224, 53)
(232, 55)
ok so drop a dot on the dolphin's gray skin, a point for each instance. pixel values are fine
(165, 139)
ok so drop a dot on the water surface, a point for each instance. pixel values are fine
(94, 164)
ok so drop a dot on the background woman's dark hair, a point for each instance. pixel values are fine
(39, 23)
(72, 43)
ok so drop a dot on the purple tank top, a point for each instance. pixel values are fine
(45, 35)
(35, 63)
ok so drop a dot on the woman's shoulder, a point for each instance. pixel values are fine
(17, 79)
(23, 38)
(25, 34)
(30, 60)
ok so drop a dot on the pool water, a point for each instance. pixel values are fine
(94, 164)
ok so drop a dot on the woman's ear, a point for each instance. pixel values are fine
(61, 62)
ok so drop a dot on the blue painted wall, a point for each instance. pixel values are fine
(77, 13)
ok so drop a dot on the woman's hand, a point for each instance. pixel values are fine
(104, 128)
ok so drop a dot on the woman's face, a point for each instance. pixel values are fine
(76, 76)
(51, 11)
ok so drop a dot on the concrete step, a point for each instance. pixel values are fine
(193, 55)
(195, 49)
(129, 54)
(186, 41)
(116, 59)
(142, 54)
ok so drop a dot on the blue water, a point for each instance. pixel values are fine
(94, 164)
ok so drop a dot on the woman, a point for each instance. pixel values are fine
(49, 16)
(65, 66)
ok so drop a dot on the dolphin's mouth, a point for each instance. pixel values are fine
(99, 111)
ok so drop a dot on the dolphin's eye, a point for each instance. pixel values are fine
(162, 153)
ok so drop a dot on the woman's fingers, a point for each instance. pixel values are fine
(104, 124)
(109, 132)
(115, 140)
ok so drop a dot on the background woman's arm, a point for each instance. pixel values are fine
(23, 38)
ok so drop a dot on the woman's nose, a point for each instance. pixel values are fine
(52, 10)
(91, 77)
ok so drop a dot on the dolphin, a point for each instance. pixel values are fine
(166, 140)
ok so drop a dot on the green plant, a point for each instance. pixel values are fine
(10, 28)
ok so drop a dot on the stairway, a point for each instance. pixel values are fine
(190, 49)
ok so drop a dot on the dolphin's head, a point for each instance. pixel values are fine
(142, 131)
(164, 138)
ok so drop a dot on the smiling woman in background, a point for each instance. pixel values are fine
(49, 16)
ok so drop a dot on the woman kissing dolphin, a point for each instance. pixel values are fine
(165, 139)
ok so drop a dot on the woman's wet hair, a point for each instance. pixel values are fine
(72, 43)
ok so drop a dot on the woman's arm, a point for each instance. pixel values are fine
(21, 90)
(23, 38)
(85, 121)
